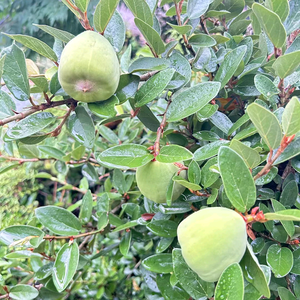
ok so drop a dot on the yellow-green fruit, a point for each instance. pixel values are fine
(153, 180)
(89, 68)
(211, 239)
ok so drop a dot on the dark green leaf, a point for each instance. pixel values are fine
(209, 150)
(63, 36)
(159, 263)
(23, 291)
(163, 228)
(173, 153)
(86, 207)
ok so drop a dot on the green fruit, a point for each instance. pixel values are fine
(212, 239)
(89, 68)
(153, 180)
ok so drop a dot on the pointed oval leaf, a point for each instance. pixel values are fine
(104, 109)
(230, 286)
(30, 125)
(125, 156)
(23, 291)
(271, 24)
(237, 179)
(7, 105)
(58, 220)
(292, 150)
(286, 64)
(191, 100)
(63, 36)
(173, 153)
(181, 29)
(189, 280)
(52, 152)
(82, 127)
(22, 233)
(125, 243)
(230, 64)
(194, 172)
(163, 228)
(151, 35)
(265, 86)
(280, 259)
(159, 263)
(253, 272)
(288, 214)
(285, 294)
(103, 12)
(15, 72)
(35, 45)
(250, 156)
(197, 8)
(65, 266)
(209, 150)
(266, 124)
(153, 87)
(291, 117)
(202, 40)
(141, 10)
(86, 207)
(148, 64)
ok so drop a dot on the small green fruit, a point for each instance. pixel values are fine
(89, 68)
(153, 180)
(211, 240)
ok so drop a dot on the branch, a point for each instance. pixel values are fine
(54, 237)
(160, 131)
(146, 76)
(34, 109)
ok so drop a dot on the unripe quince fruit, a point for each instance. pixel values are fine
(89, 68)
(212, 239)
(153, 180)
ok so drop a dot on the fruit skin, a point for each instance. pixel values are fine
(89, 68)
(211, 239)
(153, 180)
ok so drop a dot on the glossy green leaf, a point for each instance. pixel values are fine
(184, 29)
(7, 105)
(8, 167)
(153, 87)
(209, 150)
(125, 243)
(104, 109)
(296, 263)
(280, 7)
(82, 4)
(163, 228)
(253, 272)
(152, 37)
(286, 64)
(285, 294)
(108, 134)
(291, 117)
(237, 179)
(250, 156)
(86, 207)
(208, 176)
(173, 153)
(265, 86)
(187, 184)
(271, 24)
(128, 85)
(288, 214)
(103, 12)
(266, 124)
(289, 194)
(23, 291)
(125, 156)
(22, 233)
(293, 149)
(267, 178)
(34, 44)
(52, 152)
(148, 64)
(63, 36)
(54, 84)
(115, 31)
(82, 127)
(221, 121)
(15, 72)
(230, 64)
(58, 220)
(230, 286)
(235, 7)
(191, 100)
(202, 40)
(65, 266)
(189, 280)
(197, 8)
(30, 125)
(280, 259)
(206, 136)
(169, 291)
(175, 207)
(194, 172)
(141, 10)
(163, 244)
(288, 225)
(159, 263)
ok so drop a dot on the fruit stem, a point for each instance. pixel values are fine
(160, 131)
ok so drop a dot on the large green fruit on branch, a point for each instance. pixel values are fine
(153, 180)
(89, 68)
(211, 240)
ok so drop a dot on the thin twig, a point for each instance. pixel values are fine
(54, 237)
(35, 109)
